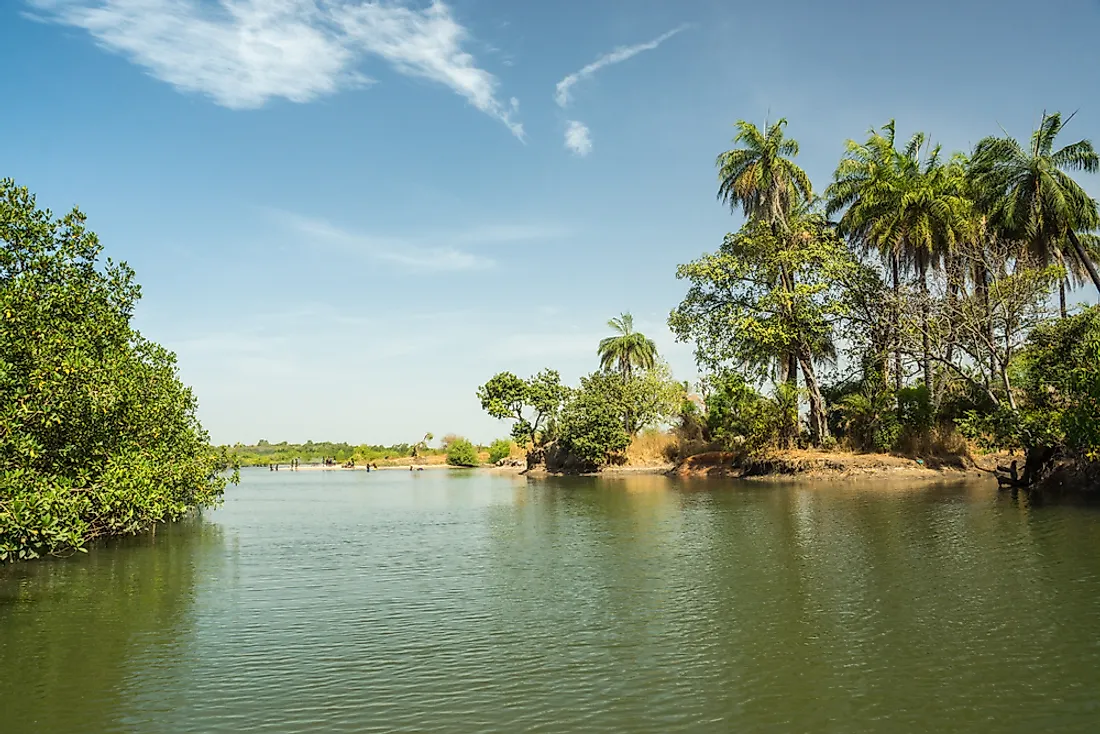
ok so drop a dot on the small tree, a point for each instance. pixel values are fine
(532, 403)
(591, 427)
(740, 418)
(460, 452)
(499, 449)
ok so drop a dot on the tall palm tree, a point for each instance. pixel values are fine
(627, 349)
(907, 204)
(1030, 194)
(760, 174)
(860, 184)
(761, 177)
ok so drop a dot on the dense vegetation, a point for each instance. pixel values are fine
(586, 427)
(460, 452)
(264, 453)
(907, 306)
(97, 434)
(449, 446)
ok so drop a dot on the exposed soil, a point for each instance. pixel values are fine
(805, 463)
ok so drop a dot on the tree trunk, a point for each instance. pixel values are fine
(926, 342)
(788, 375)
(1008, 388)
(895, 267)
(954, 281)
(819, 427)
(1084, 258)
(1062, 297)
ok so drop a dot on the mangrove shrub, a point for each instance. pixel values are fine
(98, 436)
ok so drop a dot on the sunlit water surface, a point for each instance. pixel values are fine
(471, 602)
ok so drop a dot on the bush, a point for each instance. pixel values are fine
(915, 410)
(461, 452)
(741, 419)
(1059, 379)
(591, 425)
(98, 436)
(869, 419)
(499, 449)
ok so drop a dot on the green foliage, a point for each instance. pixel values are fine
(760, 295)
(628, 349)
(649, 399)
(264, 453)
(460, 452)
(1029, 193)
(761, 176)
(499, 449)
(533, 404)
(591, 426)
(97, 434)
(915, 410)
(740, 418)
(1059, 377)
(868, 416)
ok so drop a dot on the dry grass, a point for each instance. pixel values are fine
(418, 461)
(941, 446)
(652, 448)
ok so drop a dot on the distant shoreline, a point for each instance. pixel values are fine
(791, 465)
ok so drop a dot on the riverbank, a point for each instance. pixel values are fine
(792, 464)
(807, 464)
(816, 464)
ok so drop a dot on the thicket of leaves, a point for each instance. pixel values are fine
(98, 436)
(499, 449)
(1058, 374)
(460, 452)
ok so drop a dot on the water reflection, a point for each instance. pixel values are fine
(470, 602)
(75, 632)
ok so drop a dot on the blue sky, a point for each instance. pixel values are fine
(346, 216)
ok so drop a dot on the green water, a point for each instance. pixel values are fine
(429, 602)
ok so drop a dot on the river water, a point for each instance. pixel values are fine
(469, 602)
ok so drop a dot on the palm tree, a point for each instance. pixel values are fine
(1030, 194)
(762, 178)
(860, 184)
(627, 349)
(760, 175)
(907, 204)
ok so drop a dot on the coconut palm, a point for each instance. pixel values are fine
(760, 175)
(1030, 194)
(627, 349)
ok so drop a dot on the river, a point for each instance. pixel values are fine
(470, 602)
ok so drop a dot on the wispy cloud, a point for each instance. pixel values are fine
(617, 56)
(577, 138)
(388, 249)
(421, 252)
(241, 53)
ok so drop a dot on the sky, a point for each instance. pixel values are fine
(345, 216)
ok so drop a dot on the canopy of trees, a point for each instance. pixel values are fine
(907, 305)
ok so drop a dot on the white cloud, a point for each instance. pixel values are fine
(242, 53)
(577, 138)
(421, 252)
(619, 55)
(389, 249)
